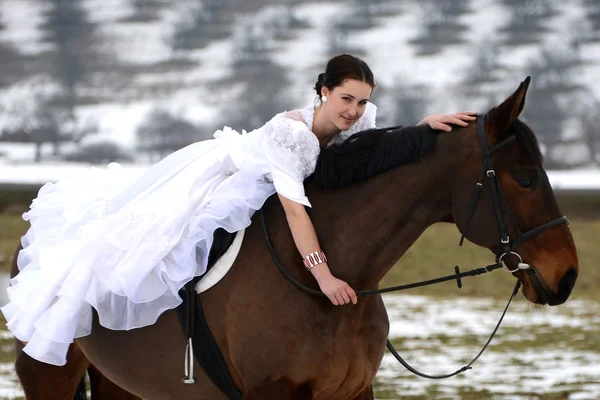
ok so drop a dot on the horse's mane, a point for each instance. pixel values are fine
(373, 151)
(370, 152)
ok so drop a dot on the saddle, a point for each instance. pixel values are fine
(200, 342)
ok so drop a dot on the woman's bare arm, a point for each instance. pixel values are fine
(305, 237)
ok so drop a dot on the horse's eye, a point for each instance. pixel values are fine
(525, 183)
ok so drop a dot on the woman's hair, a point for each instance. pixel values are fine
(343, 67)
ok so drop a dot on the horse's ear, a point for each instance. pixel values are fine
(502, 116)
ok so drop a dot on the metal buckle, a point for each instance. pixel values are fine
(490, 172)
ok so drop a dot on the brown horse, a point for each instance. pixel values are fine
(280, 343)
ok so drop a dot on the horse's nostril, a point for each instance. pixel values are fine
(568, 281)
(565, 287)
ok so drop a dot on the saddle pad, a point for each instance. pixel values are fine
(222, 265)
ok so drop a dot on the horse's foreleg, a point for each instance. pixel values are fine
(366, 395)
(44, 381)
(102, 388)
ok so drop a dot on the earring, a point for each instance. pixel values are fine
(324, 99)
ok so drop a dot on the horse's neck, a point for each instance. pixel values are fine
(379, 221)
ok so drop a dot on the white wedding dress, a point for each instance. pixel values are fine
(126, 245)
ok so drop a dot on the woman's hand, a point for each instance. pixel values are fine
(441, 121)
(338, 291)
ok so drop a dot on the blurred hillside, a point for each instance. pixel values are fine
(132, 80)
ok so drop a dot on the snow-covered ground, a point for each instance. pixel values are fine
(38, 174)
(440, 336)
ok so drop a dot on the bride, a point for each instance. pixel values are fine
(126, 246)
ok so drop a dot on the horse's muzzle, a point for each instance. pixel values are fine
(547, 296)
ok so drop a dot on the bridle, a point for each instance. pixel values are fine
(500, 202)
(508, 246)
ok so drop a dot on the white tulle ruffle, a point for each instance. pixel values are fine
(123, 245)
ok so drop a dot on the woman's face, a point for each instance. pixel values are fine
(346, 103)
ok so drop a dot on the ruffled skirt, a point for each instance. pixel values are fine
(123, 245)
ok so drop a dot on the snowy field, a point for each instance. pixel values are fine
(581, 181)
(537, 351)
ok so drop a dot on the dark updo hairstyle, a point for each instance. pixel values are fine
(343, 67)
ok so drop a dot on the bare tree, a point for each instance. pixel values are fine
(527, 23)
(199, 22)
(441, 25)
(590, 131)
(77, 54)
(43, 118)
(263, 81)
(553, 88)
(402, 103)
(99, 153)
(146, 10)
(11, 67)
(485, 63)
(163, 133)
(592, 8)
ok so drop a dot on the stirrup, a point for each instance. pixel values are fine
(188, 364)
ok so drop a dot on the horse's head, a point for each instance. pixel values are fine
(515, 212)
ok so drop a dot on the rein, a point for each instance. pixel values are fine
(500, 203)
(456, 276)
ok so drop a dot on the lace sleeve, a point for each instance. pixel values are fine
(292, 151)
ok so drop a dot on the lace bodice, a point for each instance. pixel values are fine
(291, 145)
(292, 149)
